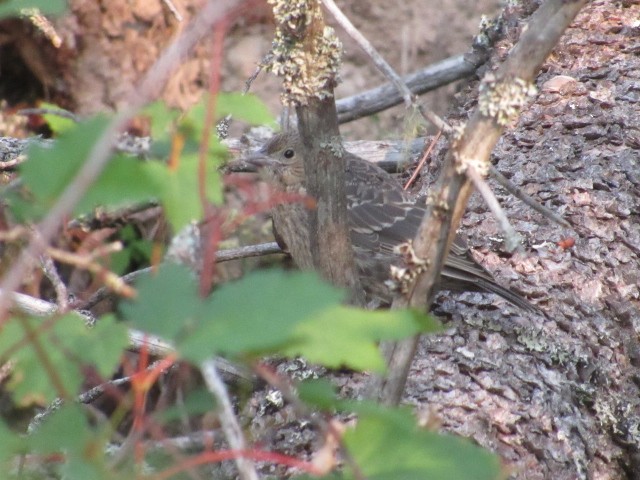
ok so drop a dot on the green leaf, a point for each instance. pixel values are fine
(268, 312)
(13, 8)
(178, 189)
(197, 402)
(245, 107)
(49, 170)
(136, 250)
(123, 182)
(49, 354)
(32, 381)
(162, 118)
(11, 444)
(319, 393)
(67, 431)
(258, 314)
(167, 302)
(388, 444)
(102, 345)
(57, 123)
(354, 336)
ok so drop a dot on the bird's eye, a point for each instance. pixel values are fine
(288, 153)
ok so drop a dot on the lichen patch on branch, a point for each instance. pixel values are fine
(306, 52)
(503, 100)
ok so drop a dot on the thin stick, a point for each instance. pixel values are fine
(377, 59)
(512, 239)
(526, 199)
(228, 420)
(172, 8)
(221, 256)
(427, 152)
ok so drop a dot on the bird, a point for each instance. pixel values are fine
(382, 216)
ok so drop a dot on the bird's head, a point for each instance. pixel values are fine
(281, 159)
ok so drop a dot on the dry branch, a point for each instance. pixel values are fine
(502, 94)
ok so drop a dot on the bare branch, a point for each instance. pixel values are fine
(228, 419)
(500, 97)
(386, 96)
(511, 238)
(377, 59)
(519, 194)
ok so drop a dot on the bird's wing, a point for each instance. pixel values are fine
(381, 214)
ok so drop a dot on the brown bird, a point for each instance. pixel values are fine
(381, 217)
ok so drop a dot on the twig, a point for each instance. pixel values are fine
(16, 233)
(50, 111)
(377, 59)
(526, 199)
(51, 272)
(228, 419)
(110, 279)
(11, 164)
(196, 441)
(426, 154)
(45, 27)
(501, 95)
(86, 397)
(221, 256)
(104, 292)
(172, 8)
(381, 64)
(512, 239)
(248, 251)
(432, 117)
(386, 96)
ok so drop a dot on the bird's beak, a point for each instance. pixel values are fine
(257, 159)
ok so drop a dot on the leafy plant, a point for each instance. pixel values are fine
(270, 312)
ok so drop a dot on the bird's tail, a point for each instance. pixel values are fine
(465, 277)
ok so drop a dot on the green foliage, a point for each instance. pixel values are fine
(49, 354)
(163, 119)
(125, 181)
(57, 123)
(67, 431)
(354, 337)
(251, 317)
(50, 170)
(136, 251)
(10, 444)
(318, 393)
(12, 8)
(388, 444)
(177, 189)
(264, 313)
(242, 107)
(167, 303)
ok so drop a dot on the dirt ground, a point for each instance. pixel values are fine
(106, 48)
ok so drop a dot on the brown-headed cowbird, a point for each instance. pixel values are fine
(381, 217)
